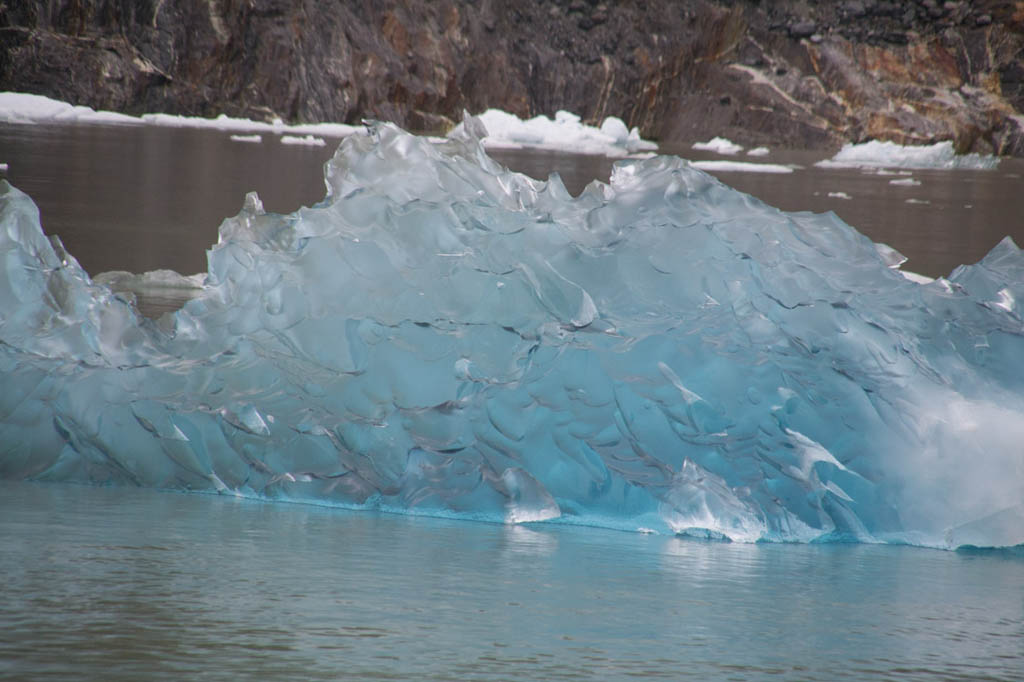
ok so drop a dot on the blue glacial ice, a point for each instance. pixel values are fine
(442, 336)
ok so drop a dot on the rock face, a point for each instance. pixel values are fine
(790, 72)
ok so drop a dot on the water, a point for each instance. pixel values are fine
(125, 584)
(144, 198)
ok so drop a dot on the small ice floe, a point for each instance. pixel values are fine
(839, 195)
(905, 182)
(758, 151)
(719, 145)
(741, 167)
(918, 201)
(566, 132)
(875, 154)
(256, 139)
(308, 140)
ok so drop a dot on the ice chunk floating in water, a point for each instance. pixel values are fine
(443, 336)
(875, 154)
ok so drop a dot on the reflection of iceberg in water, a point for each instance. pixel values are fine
(442, 336)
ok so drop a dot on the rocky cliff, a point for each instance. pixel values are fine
(792, 72)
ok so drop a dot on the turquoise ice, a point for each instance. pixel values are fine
(443, 336)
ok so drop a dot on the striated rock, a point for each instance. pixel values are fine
(781, 73)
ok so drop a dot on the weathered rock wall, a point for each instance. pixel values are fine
(793, 72)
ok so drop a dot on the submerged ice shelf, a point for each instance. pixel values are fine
(442, 336)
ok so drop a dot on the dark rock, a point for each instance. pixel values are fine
(853, 8)
(887, 9)
(802, 29)
(677, 69)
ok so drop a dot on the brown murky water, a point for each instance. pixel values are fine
(145, 198)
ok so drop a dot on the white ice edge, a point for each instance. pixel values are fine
(875, 154)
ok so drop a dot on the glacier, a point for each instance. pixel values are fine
(442, 336)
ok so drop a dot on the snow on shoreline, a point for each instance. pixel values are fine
(877, 154)
(565, 133)
(16, 107)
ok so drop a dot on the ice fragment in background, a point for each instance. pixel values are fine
(891, 155)
(566, 133)
(308, 140)
(721, 166)
(442, 336)
(719, 145)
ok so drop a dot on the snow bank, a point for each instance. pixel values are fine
(565, 133)
(18, 107)
(877, 154)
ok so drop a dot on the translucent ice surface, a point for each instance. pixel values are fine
(442, 336)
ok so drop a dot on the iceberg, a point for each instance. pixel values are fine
(442, 336)
(875, 154)
(719, 145)
(566, 132)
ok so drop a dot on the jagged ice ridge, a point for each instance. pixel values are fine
(442, 336)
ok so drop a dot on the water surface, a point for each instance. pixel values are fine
(123, 584)
(142, 198)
